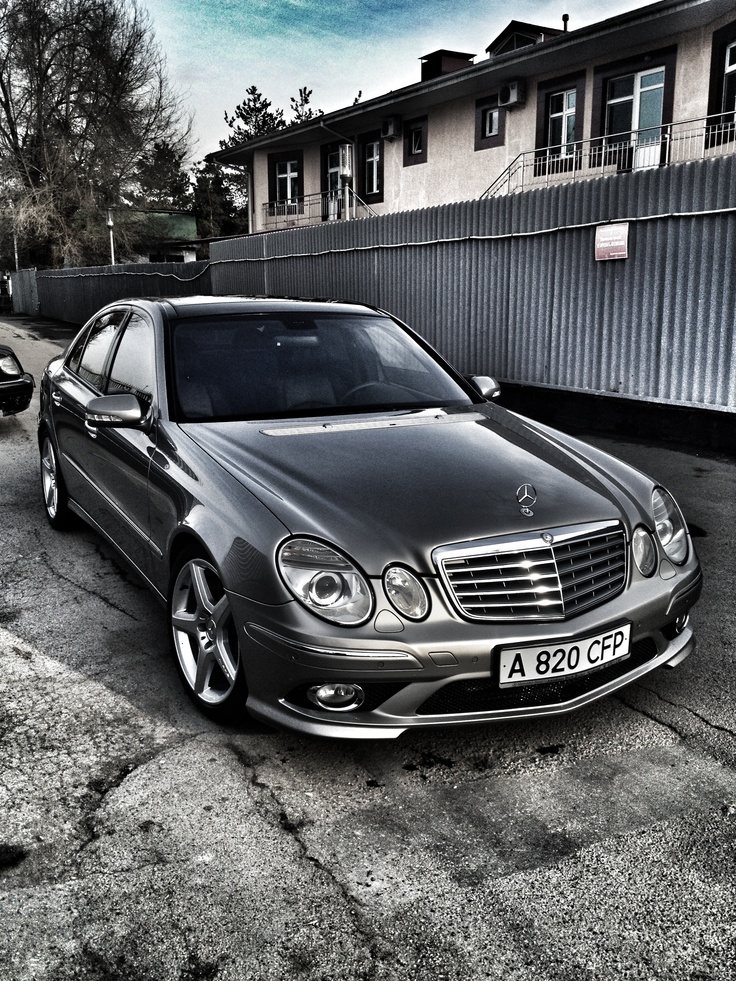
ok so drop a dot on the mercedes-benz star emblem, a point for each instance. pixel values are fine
(526, 496)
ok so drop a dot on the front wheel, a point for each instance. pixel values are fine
(205, 639)
(55, 500)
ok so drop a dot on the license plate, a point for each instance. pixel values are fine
(528, 665)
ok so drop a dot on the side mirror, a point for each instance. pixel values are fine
(486, 386)
(126, 411)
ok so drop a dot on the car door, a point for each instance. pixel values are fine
(81, 378)
(118, 458)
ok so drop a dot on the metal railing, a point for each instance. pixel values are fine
(310, 209)
(681, 142)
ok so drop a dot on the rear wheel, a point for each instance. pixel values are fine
(55, 500)
(205, 639)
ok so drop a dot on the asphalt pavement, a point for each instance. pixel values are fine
(139, 841)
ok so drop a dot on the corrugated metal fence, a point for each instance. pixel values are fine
(73, 295)
(511, 287)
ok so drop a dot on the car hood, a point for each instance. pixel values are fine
(390, 487)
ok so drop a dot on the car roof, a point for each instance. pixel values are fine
(207, 306)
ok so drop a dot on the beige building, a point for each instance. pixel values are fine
(646, 89)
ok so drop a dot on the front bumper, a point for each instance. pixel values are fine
(445, 672)
(16, 394)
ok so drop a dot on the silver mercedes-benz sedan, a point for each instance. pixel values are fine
(350, 538)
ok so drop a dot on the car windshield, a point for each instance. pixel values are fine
(265, 366)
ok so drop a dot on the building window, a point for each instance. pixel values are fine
(729, 83)
(722, 91)
(560, 112)
(490, 123)
(371, 164)
(370, 168)
(634, 115)
(632, 109)
(333, 171)
(561, 122)
(415, 142)
(331, 186)
(285, 183)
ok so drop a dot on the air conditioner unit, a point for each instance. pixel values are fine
(391, 128)
(512, 94)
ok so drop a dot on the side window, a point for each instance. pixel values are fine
(98, 343)
(490, 123)
(133, 367)
(559, 125)
(415, 142)
(561, 122)
(729, 83)
(370, 168)
(331, 185)
(722, 90)
(633, 102)
(285, 183)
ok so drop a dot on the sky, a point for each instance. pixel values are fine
(216, 49)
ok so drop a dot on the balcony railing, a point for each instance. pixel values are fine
(310, 209)
(694, 139)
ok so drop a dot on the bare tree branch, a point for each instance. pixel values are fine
(84, 99)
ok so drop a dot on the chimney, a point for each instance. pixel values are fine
(444, 62)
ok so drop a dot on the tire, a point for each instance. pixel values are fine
(53, 490)
(205, 639)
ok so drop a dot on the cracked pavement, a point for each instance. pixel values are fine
(138, 841)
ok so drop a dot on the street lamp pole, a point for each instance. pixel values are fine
(15, 235)
(112, 240)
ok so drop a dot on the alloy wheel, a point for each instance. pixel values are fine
(205, 639)
(49, 479)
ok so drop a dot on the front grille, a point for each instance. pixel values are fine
(523, 578)
(484, 694)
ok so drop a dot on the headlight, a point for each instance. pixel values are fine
(406, 592)
(670, 526)
(325, 581)
(9, 366)
(645, 551)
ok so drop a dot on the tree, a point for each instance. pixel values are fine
(301, 110)
(84, 102)
(217, 211)
(253, 117)
(161, 180)
(221, 191)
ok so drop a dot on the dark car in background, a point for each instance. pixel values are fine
(16, 385)
(350, 538)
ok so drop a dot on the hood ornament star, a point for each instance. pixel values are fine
(526, 495)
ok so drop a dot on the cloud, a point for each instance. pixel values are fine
(218, 48)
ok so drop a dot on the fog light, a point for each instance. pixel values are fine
(337, 697)
(681, 622)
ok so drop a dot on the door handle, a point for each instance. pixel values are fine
(56, 398)
(91, 430)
